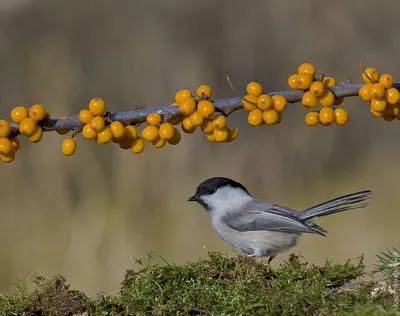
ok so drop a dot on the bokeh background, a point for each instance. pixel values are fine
(84, 216)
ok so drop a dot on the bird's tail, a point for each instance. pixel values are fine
(340, 204)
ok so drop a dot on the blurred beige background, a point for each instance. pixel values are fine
(84, 216)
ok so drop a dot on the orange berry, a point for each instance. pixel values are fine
(68, 146)
(182, 95)
(254, 88)
(15, 143)
(270, 117)
(219, 121)
(309, 100)
(255, 117)
(329, 81)
(36, 136)
(326, 116)
(312, 118)
(364, 92)
(338, 101)
(8, 157)
(377, 91)
(392, 111)
(176, 138)
(104, 136)
(279, 103)
(37, 112)
(5, 128)
(131, 132)
(166, 131)
(174, 104)
(318, 88)
(125, 142)
(264, 102)
(196, 118)
(19, 113)
(249, 102)
(137, 145)
(88, 132)
(327, 99)
(97, 106)
(304, 81)
(98, 123)
(376, 113)
(187, 126)
(378, 105)
(210, 137)
(392, 95)
(292, 82)
(221, 134)
(306, 68)
(159, 142)
(150, 133)
(176, 120)
(372, 77)
(341, 116)
(187, 106)
(6, 146)
(28, 126)
(153, 119)
(85, 116)
(206, 108)
(386, 80)
(233, 134)
(207, 126)
(204, 91)
(117, 129)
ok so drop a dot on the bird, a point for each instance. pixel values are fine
(262, 229)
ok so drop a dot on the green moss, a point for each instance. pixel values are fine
(217, 285)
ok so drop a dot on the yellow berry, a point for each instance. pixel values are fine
(270, 117)
(37, 112)
(159, 142)
(309, 100)
(105, 135)
(97, 106)
(373, 75)
(364, 92)
(304, 81)
(306, 68)
(176, 138)
(279, 103)
(15, 143)
(386, 80)
(338, 101)
(249, 102)
(5, 128)
(233, 134)
(187, 106)
(219, 121)
(312, 118)
(28, 126)
(182, 95)
(392, 95)
(292, 82)
(255, 117)
(196, 118)
(150, 133)
(375, 113)
(207, 126)
(174, 104)
(36, 136)
(327, 99)
(88, 132)
(378, 105)
(392, 111)
(131, 132)
(341, 116)
(176, 120)
(187, 126)
(98, 123)
(326, 116)
(264, 102)
(206, 108)
(153, 119)
(117, 129)
(221, 134)
(19, 113)
(210, 137)
(318, 88)
(68, 146)
(125, 142)
(7, 158)
(254, 88)
(85, 116)
(166, 131)
(137, 145)
(329, 81)
(204, 91)
(5, 146)
(377, 91)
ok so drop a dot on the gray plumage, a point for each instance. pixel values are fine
(259, 228)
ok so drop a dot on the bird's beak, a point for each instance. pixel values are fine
(193, 198)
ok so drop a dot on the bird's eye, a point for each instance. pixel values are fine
(211, 191)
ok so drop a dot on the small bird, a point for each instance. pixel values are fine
(258, 228)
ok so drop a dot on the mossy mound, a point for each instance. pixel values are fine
(218, 285)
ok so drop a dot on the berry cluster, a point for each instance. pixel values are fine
(382, 96)
(316, 91)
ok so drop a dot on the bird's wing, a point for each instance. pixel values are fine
(253, 219)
